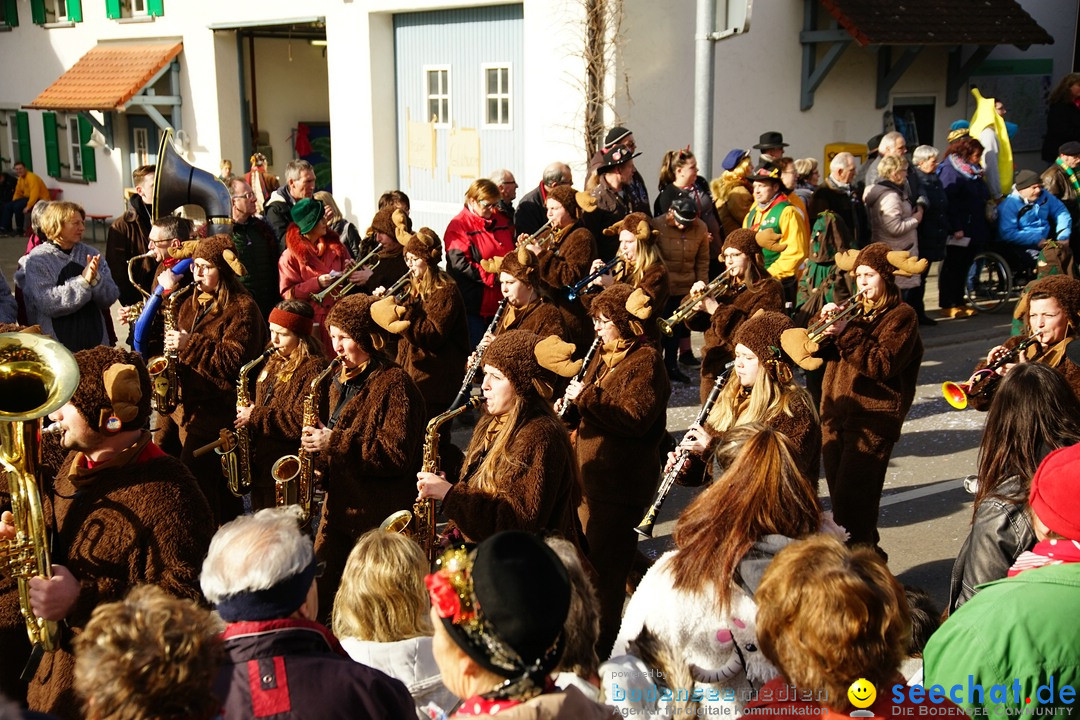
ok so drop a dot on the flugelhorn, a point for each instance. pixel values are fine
(957, 394)
(37, 376)
(801, 343)
(719, 286)
(611, 266)
(541, 237)
(400, 289)
(682, 458)
(341, 286)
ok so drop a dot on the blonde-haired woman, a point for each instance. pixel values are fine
(731, 191)
(65, 285)
(642, 265)
(520, 471)
(478, 232)
(760, 389)
(382, 615)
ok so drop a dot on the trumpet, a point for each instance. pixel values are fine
(341, 286)
(682, 459)
(400, 290)
(541, 237)
(581, 286)
(957, 394)
(719, 286)
(847, 309)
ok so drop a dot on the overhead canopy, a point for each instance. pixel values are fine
(933, 22)
(108, 77)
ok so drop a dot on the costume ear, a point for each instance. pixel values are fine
(234, 263)
(388, 315)
(639, 305)
(526, 258)
(905, 264)
(644, 231)
(553, 354)
(401, 227)
(846, 260)
(800, 348)
(769, 239)
(186, 250)
(124, 391)
(614, 229)
(586, 202)
(492, 265)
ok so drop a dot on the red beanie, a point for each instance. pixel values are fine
(1055, 492)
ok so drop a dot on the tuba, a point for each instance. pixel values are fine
(178, 183)
(294, 475)
(420, 523)
(37, 376)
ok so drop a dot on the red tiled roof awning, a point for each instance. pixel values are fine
(107, 77)
(933, 22)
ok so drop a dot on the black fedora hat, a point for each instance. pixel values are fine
(770, 140)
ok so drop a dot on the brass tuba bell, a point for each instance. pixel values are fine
(37, 376)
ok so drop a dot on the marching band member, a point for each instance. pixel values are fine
(276, 416)
(622, 404)
(119, 513)
(760, 390)
(313, 258)
(370, 446)
(752, 289)
(642, 265)
(219, 329)
(520, 471)
(166, 241)
(868, 387)
(527, 307)
(565, 258)
(1051, 308)
(434, 347)
(388, 227)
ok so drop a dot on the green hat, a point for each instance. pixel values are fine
(306, 213)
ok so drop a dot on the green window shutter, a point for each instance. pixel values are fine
(155, 8)
(89, 162)
(11, 13)
(52, 144)
(74, 8)
(22, 123)
(112, 9)
(37, 11)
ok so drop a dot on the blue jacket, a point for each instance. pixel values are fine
(1025, 224)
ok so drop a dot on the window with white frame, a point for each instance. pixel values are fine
(73, 147)
(60, 10)
(437, 80)
(497, 95)
(9, 149)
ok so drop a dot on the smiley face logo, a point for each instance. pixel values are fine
(862, 693)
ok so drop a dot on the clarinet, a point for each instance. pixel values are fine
(566, 402)
(682, 458)
(478, 359)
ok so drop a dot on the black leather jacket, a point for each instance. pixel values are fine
(1000, 531)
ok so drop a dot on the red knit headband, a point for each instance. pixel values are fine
(297, 324)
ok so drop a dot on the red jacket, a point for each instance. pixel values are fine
(299, 268)
(468, 240)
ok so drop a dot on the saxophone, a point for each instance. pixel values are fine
(136, 310)
(236, 455)
(294, 475)
(420, 523)
(162, 368)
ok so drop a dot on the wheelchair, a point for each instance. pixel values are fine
(997, 276)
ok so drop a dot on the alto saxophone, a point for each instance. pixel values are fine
(294, 475)
(236, 454)
(420, 523)
(162, 368)
(136, 310)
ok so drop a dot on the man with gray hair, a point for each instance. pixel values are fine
(299, 184)
(892, 143)
(508, 186)
(259, 574)
(532, 210)
(838, 195)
